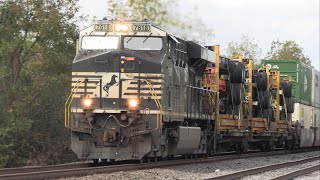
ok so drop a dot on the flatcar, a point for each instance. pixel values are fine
(139, 92)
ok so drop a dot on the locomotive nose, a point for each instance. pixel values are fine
(96, 61)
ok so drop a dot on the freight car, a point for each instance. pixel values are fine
(307, 99)
(139, 92)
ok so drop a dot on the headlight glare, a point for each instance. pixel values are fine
(121, 28)
(133, 103)
(87, 102)
(118, 27)
(124, 27)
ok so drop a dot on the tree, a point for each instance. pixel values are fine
(156, 10)
(246, 47)
(287, 50)
(37, 45)
(163, 13)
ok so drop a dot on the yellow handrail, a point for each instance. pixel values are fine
(158, 104)
(68, 103)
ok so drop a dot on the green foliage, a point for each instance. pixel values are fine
(37, 45)
(287, 50)
(163, 13)
(245, 47)
(156, 10)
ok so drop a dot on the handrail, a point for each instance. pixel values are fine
(158, 104)
(68, 103)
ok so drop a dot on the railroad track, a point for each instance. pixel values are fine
(298, 173)
(42, 168)
(83, 169)
(258, 170)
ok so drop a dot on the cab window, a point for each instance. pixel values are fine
(142, 43)
(99, 42)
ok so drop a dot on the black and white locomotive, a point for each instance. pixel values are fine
(139, 92)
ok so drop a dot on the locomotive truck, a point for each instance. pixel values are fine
(141, 93)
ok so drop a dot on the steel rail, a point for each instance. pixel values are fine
(58, 171)
(42, 168)
(82, 169)
(298, 173)
(258, 170)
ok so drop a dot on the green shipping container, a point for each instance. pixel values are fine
(301, 74)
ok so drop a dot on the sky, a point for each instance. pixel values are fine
(262, 20)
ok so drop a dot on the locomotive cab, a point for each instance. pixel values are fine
(119, 53)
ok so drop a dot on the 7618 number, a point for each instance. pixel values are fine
(141, 27)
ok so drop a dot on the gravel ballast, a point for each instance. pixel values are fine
(207, 170)
(280, 172)
(312, 176)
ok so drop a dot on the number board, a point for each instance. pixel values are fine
(103, 27)
(141, 27)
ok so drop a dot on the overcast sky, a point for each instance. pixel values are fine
(263, 20)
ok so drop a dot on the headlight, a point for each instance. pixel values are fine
(121, 27)
(124, 28)
(133, 103)
(118, 27)
(87, 103)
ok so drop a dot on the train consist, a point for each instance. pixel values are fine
(141, 93)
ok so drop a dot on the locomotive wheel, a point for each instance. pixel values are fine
(240, 73)
(232, 67)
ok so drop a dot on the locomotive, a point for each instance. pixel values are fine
(139, 92)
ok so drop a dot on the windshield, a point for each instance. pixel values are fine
(100, 42)
(142, 43)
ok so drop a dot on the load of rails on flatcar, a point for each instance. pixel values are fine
(139, 92)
